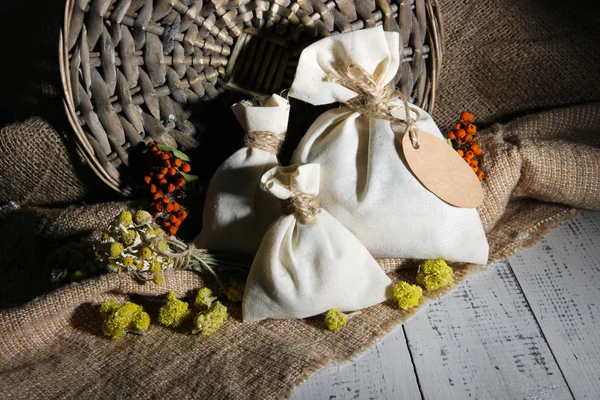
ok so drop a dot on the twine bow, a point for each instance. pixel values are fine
(304, 206)
(264, 140)
(374, 100)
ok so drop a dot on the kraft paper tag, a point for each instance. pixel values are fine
(442, 171)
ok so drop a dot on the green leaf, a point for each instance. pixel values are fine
(175, 152)
(449, 142)
(188, 177)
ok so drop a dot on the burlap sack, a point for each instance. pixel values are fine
(35, 168)
(502, 58)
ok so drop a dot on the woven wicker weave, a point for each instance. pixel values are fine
(131, 68)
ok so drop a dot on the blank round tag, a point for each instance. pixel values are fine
(442, 171)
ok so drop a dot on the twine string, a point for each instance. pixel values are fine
(264, 140)
(304, 206)
(374, 100)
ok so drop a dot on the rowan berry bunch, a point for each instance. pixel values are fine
(463, 139)
(166, 180)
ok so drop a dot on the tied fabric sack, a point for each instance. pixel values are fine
(308, 262)
(236, 212)
(367, 184)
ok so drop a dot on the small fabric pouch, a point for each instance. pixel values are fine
(308, 262)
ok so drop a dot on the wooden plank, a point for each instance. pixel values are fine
(561, 280)
(482, 341)
(383, 372)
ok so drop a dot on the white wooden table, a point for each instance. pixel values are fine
(527, 329)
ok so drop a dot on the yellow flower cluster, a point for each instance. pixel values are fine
(174, 312)
(204, 298)
(335, 319)
(134, 243)
(432, 275)
(211, 317)
(235, 292)
(207, 323)
(435, 274)
(407, 295)
(119, 319)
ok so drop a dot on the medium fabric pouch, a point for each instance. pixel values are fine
(237, 213)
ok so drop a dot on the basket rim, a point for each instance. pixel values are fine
(81, 141)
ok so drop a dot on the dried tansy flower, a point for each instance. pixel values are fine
(407, 295)
(205, 298)
(207, 323)
(435, 274)
(120, 319)
(336, 320)
(235, 292)
(174, 312)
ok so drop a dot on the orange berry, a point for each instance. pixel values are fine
(186, 168)
(461, 133)
(160, 176)
(475, 168)
(153, 188)
(164, 171)
(177, 163)
(458, 126)
(476, 149)
(175, 206)
(173, 219)
(469, 154)
(468, 137)
(452, 135)
(166, 200)
(480, 175)
(471, 128)
(467, 116)
(166, 224)
(147, 180)
(178, 223)
(473, 163)
(181, 182)
(163, 181)
(165, 157)
(182, 214)
(158, 206)
(460, 152)
(173, 230)
(172, 171)
(171, 188)
(169, 208)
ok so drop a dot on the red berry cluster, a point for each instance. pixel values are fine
(166, 185)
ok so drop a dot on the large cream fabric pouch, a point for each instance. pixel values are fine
(367, 184)
(237, 213)
(308, 262)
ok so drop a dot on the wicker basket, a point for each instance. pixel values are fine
(132, 68)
